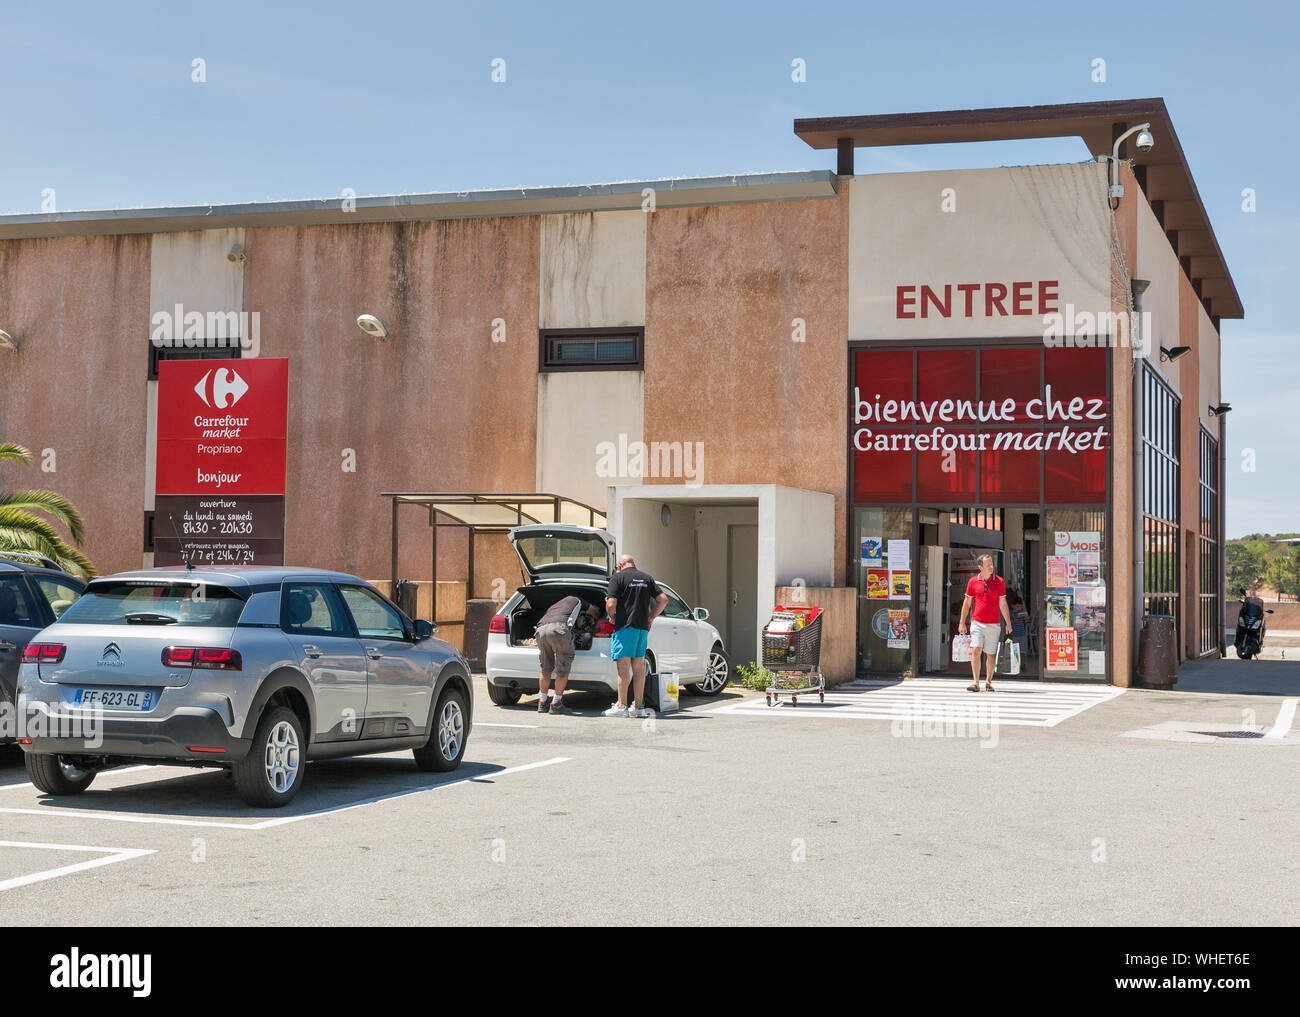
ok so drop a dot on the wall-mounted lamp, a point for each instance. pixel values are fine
(372, 326)
(1220, 410)
(1172, 354)
(665, 515)
(236, 254)
(7, 342)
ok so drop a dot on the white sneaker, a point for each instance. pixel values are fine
(616, 711)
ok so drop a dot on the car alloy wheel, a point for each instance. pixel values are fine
(282, 757)
(451, 729)
(715, 674)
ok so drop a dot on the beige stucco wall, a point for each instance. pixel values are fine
(577, 411)
(1012, 224)
(1157, 262)
(592, 270)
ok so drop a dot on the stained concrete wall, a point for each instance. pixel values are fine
(577, 413)
(1157, 262)
(439, 407)
(592, 270)
(78, 308)
(722, 364)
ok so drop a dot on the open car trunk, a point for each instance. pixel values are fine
(538, 598)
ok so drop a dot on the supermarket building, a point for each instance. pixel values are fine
(818, 385)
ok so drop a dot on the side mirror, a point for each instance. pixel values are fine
(424, 629)
(701, 614)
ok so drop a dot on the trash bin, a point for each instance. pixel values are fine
(405, 597)
(1157, 652)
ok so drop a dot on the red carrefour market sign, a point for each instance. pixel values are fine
(222, 426)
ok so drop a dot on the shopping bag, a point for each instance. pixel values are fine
(961, 649)
(1013, 657)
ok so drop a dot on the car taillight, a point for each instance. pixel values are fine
(201, 656)
(498, 624)
(604, 629)
(43, 653)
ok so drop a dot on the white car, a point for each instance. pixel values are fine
(561, 560)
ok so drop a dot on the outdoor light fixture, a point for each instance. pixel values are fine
(236, 254)
(1174, 353)
(372, 326)
(1145, 142)
(1220, 410)
(7, 342)
(665, 515)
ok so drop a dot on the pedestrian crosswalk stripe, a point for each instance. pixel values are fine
(1036, 704)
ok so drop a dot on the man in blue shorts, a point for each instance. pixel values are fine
(634, 601)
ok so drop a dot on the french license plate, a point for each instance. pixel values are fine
(138, 700)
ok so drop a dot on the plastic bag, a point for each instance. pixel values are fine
(961, 649)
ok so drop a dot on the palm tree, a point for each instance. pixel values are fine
(22, 530)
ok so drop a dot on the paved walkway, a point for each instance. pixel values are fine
(1229, 676)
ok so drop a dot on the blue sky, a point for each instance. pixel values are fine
(304, 100)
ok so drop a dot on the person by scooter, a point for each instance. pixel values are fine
(1250, 627)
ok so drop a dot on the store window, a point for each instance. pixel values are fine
(1074, 594)
(1160, 500)
(884, 568)
(1210, 625)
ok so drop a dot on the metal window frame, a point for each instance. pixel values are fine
(545, 336)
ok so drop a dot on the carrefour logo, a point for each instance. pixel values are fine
(227, 388)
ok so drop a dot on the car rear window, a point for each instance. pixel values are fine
(551, 551)
(145, 603)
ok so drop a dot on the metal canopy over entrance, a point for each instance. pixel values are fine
(486, 513)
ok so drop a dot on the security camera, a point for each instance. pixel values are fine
(1145, 142)
(236, 254)
(372, 326)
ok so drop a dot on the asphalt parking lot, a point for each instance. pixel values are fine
(725, 813)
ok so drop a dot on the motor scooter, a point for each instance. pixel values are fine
(1250, 627)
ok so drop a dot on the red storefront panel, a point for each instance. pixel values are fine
(1008, 471)
(1010, 374)
(883, 475)
(947, 476)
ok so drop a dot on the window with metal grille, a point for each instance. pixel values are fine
(591, 349)
(1208, 615)
(228, 350)
(1160, 501)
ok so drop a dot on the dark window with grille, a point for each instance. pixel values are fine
(1161, 575)
(1208, 615)
(229, 350)
(592, 349)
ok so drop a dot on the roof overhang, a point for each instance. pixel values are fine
(1163, 172)
(625, 195)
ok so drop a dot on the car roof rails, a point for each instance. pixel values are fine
(48, 563)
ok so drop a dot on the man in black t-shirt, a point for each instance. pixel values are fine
(633, 600)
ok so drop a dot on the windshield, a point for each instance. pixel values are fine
(155, 603)
(554, 552)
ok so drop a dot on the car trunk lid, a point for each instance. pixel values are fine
(549, 551)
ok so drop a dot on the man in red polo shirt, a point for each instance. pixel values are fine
(988, 594)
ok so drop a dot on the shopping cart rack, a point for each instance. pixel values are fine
(792, 648)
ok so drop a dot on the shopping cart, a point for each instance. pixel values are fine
(792, 648)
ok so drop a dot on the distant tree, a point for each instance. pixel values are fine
(1283, 573)
(1244, 565)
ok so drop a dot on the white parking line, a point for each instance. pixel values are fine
(279, 821)
(111, 855)
(484, 723)
(1285, 718)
